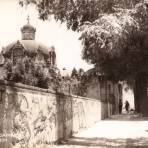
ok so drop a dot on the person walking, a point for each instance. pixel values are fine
(120, 106)
(127, 105)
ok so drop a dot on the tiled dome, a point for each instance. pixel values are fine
(28, 31)
(28, 27)
(30, 46)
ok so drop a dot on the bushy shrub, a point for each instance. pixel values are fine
(26, 72)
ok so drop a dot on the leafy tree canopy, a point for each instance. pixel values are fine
(114, 32)
(81, 72)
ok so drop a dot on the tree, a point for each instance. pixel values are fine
(81, 72)
(74, 73)
(77, 12)
(114, 35)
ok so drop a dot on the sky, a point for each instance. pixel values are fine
(68, 47)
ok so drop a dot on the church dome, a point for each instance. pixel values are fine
(28, 31)
(28, 27)
(29, 46)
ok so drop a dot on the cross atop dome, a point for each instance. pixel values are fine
(28, 31)
(28, 19)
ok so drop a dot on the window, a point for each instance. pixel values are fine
(52, 56)
(17, 55)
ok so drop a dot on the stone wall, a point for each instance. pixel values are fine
(31, 116)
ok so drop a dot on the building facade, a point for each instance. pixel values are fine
(29, 55)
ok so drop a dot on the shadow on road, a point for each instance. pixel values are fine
(127, 117)
(114, 125)
(109, 143)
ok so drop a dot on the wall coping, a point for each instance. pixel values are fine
(33, 88)
(24, 86)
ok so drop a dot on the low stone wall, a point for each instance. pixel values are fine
(31, 116)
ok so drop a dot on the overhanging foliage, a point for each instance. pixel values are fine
(114, 32)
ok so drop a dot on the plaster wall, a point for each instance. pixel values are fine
(31, 116)
(108, 93)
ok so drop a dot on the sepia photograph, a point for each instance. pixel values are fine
(73, 73)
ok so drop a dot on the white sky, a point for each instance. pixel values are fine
(68, 47)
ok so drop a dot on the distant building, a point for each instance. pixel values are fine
(98, 87)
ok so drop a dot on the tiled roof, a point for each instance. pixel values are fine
(30, 46)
